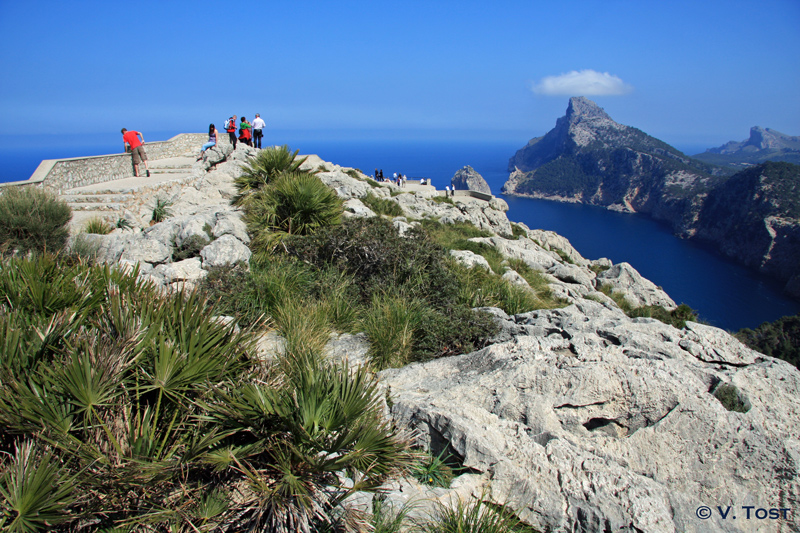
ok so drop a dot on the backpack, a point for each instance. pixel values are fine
(230, 125)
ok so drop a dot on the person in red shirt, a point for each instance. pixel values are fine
(137, 149)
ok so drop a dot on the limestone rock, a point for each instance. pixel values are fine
(217, 154)
(187, 270)
(357, 208)
(467, 178)
(227, 250)
(638, 291)
(587, 420)
(147, 250)
(470, 259)
(230, 224)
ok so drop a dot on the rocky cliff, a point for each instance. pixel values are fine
(589, 158)
(755, 218)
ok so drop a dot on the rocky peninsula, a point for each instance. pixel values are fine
(589, 158)
(578, 418)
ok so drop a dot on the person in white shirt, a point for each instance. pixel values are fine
(258, 125)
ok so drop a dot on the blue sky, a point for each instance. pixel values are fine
(688, 72)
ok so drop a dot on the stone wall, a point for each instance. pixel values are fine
(59, 175)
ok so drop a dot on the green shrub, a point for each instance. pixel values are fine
(189, 247)
(32, 220)
(779, 339)
(382, 206)
(443, 200)
(261, 170)
(81, 249)
(390, 324)
(730, 398)
(677, 317)
(123, 223)
(518, 231)
(452, 330)
(161, 211)
(433, 470)
(260, 292)
(376, 256)
(97, 226)
(475, 516)
(294, 204)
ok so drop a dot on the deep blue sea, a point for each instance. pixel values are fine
(725, 294)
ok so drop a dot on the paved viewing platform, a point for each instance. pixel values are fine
(105, 186)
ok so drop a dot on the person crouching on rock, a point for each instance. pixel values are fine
(212, 141)
(137, 149)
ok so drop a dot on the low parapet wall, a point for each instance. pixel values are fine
(474, 194)
(59, 175)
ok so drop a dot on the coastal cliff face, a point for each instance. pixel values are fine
(755, 218)
(588, 158)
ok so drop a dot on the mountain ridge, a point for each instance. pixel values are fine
(589, 158)
(764, 144)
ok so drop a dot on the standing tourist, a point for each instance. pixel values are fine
(212, 140)
(137, 149)
(258, 125)
(230, 127)
(245, 132)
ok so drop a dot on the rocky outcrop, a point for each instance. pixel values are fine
(467, 179)
(586, 420)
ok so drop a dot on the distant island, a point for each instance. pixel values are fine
(752, 216)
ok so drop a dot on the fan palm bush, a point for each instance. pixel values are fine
(32, 220)
(294, 204)
(263, 168)
(159, 417)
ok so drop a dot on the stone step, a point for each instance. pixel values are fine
(87, 198)
(97, 206)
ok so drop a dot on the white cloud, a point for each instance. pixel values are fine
(582, 83)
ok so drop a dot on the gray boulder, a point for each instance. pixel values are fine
(227, 250)
(148, 250)
(217, 154)
(467, 178)
(470, 259)
(187, 270)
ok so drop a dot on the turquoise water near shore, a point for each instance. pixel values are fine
(726, 294)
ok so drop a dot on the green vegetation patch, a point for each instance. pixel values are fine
(730, 398)
(126, 409)
(382, 206)
(780, 339)
(32, 220)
